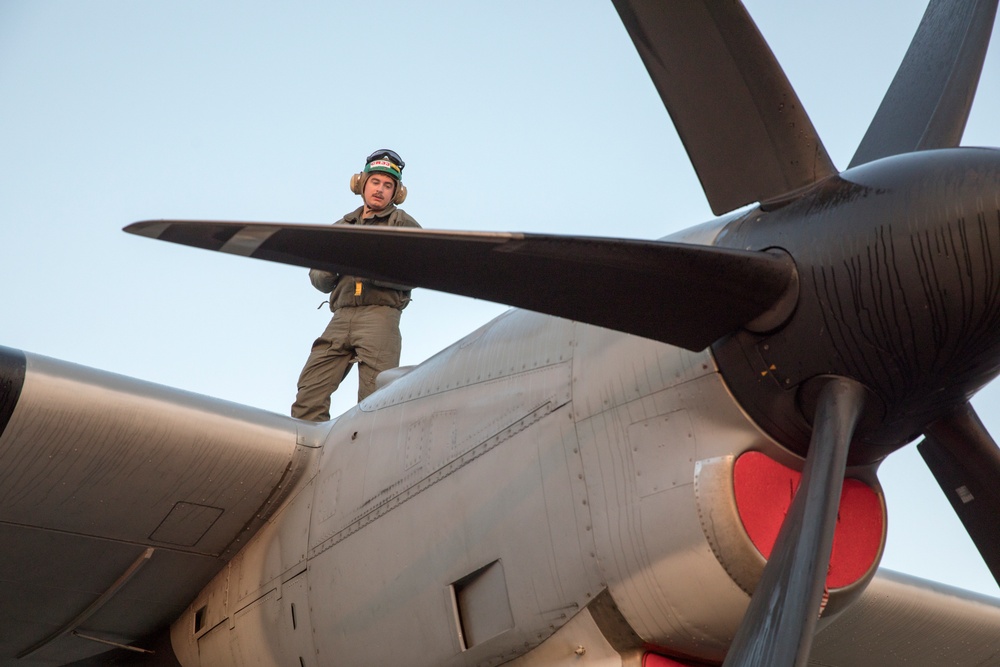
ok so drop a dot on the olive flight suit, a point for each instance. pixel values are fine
(364, 328)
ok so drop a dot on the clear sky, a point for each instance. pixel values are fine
(512, 115)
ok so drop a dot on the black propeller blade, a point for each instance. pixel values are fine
(741, 122)
(686, 295)
(965, 460)
(777, 629)
(929, 100)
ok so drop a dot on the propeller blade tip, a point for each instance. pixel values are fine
(150, 228)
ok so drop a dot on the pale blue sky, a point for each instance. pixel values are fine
(512, 116)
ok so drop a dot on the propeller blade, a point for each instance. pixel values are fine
(778, 627)
(928, 102)
(965, 460)
(741, 122)
(686, 295)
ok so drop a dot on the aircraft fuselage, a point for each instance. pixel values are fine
(466, 511)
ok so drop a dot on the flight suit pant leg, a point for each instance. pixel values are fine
(378, 344)
(328, 364)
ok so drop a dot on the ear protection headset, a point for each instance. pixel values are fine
(358, 187)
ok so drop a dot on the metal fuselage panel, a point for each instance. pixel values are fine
(646, 417)
(468, 510)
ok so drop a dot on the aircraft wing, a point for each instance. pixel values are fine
(119, 499)
(902, 620)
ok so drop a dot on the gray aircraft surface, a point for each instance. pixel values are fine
(686, 476)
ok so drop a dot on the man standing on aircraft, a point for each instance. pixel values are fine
(365, 323)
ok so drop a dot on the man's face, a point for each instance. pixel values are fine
(379, 189)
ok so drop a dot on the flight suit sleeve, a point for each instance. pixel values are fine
(324, 281)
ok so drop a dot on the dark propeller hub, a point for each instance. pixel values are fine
(899, 270)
